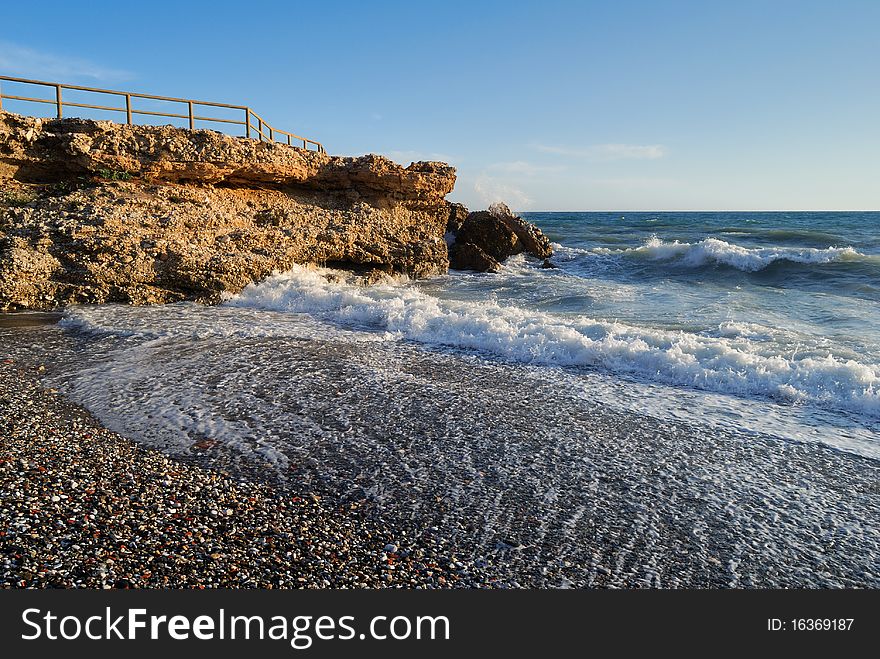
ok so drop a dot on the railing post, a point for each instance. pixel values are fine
(264, 130)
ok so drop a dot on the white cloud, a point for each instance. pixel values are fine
(524, 168)
(26, 62)
(490, 190)
(608, 151)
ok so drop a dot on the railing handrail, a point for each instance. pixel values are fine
(263, 130)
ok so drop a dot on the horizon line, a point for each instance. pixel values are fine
(822, 210)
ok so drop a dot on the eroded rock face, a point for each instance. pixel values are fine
(38, 150)
(486, 238)
(194, 214)
(467, 256)
(457, 215)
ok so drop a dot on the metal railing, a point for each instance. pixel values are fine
(260, 130)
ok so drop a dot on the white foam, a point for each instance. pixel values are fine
(726, 364)
(713, 250)
(187, 320)
(753, 331)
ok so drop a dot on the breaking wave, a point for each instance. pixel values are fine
(726, 364)
(715, 251)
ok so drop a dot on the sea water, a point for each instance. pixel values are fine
(757, 322)
(686, 399)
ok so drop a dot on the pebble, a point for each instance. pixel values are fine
(137, 518)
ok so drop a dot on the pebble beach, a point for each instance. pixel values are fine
(391, 466)
(83, 507)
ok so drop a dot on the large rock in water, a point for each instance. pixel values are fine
(93, 211)
(530, 236)
(467, 256)
(486, 238)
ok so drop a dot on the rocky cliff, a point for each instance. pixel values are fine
(101, 212)
(93, 211)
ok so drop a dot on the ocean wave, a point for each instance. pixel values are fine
(733, 365)
(746, 259)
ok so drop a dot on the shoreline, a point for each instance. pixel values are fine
(538, 487)
(82, 506)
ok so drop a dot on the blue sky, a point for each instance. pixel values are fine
(548, 105)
